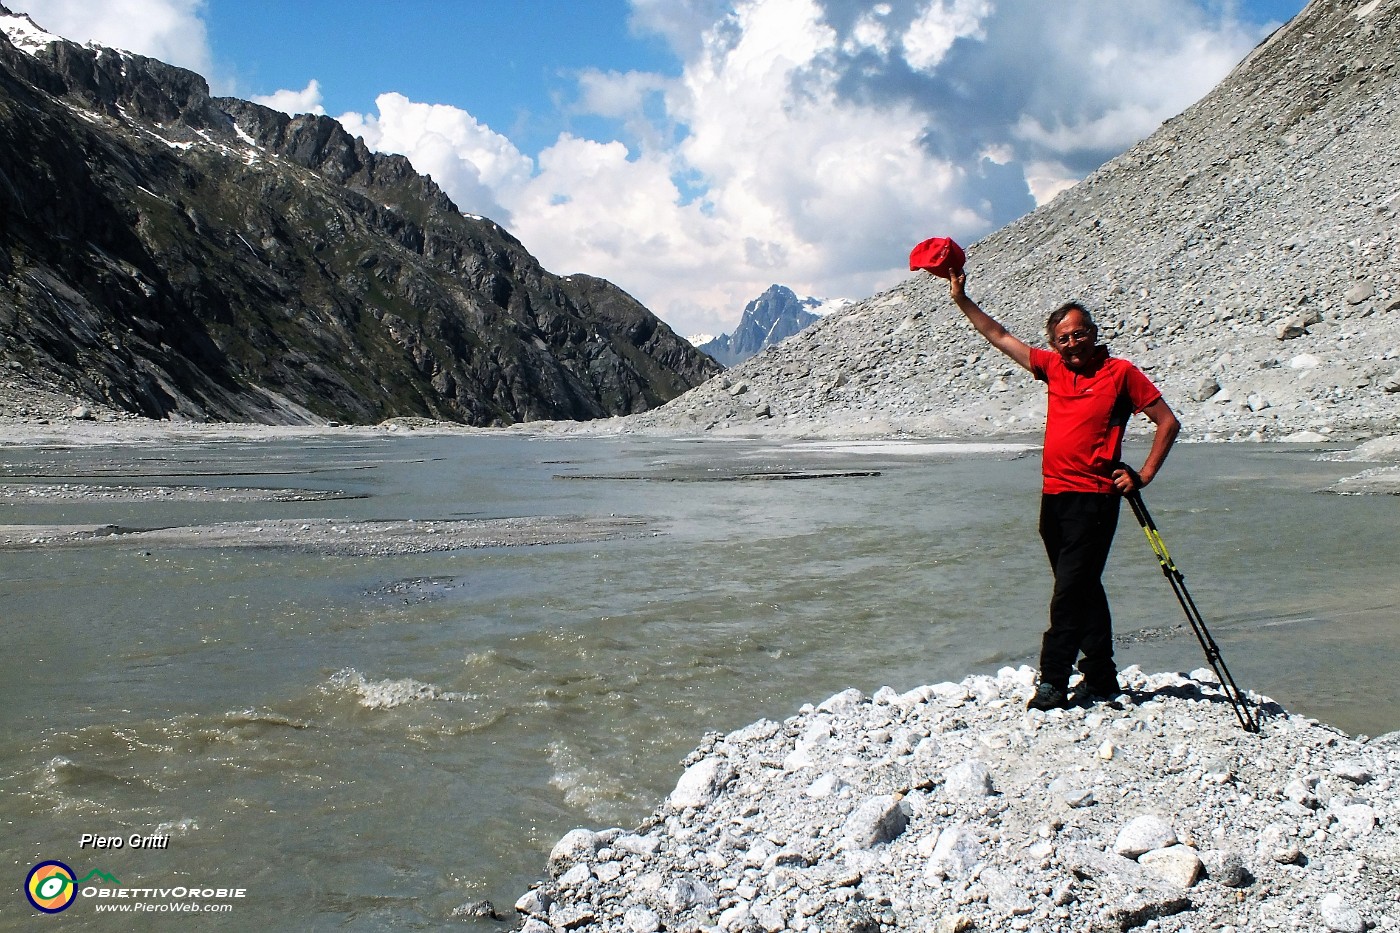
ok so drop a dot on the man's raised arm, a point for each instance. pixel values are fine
(986, 325)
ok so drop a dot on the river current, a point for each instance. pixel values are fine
(371, 743)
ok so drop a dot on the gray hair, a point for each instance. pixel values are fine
(1060, 313)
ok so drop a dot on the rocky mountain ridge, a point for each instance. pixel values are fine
(176, 255)
(770, 318)
(1246, 255)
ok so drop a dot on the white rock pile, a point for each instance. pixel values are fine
(952, 808)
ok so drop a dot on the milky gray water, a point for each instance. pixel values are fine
(370, 743)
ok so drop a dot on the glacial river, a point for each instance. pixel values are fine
(371, 743)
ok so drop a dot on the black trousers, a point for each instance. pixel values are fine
(1077, 528)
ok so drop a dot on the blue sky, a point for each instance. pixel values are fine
(513, 70)
(697, 151)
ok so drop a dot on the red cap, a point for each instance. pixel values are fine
(938, 255)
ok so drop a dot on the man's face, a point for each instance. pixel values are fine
(1076, 340)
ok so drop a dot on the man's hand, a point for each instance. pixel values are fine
(957, 280)
(1126, 479)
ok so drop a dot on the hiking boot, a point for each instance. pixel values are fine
(1100, 688)
(1048, 697)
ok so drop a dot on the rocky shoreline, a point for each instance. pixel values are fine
(952, 808)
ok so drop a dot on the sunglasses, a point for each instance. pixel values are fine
(1074, 336)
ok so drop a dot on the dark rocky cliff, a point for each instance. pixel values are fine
(176, 255)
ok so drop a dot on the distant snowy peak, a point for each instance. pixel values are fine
(821, 307)
(24, 33)
(30, 38)
(771, 317)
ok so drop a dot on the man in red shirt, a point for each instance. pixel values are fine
(1091, 397)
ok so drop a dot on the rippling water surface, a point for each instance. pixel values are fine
(370, 743)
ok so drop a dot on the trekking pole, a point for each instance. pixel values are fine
(1193, 615)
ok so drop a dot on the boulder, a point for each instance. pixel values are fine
(576, 846)
(958, 851)
(969, 778)
(1359, 292)
(1144, 834)
(700, 784)
(879, 819)
(1177, 865)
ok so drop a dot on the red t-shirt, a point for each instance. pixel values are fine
(1086, 416)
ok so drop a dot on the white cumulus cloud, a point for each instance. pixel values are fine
(942, 23)
(870, 31)
(1113, 76)
(475, 165)
(170, 30)
(307, 100)
(812, 142)
(781, 179)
